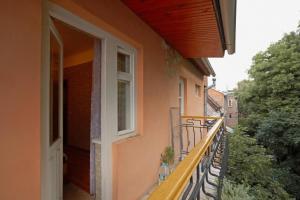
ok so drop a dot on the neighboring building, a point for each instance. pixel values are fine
(93, 82)
(231, 107)
(215, 103)
(220, 103)
(213, 108)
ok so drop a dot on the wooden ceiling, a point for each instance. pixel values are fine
(190, 26)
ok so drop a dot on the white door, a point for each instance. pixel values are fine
(55, 145)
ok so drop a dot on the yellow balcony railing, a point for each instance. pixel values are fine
(176, 183)
(200, 117)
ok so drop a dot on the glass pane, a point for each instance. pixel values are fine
(54, 88)
(181, 96)
(197, 90)
(124, 111)
(180, 89)
(123, 63)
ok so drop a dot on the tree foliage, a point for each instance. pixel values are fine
(270, 105)
(249, 165)
(232, 191)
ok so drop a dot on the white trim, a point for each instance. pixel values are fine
(229, 103)
(108, 93)
(60, 108)
(181, 96)
(69, 18)
(96, 141)
(127, 131)
(124, 76)
(130, 77)
(128, 135)
(197, 90)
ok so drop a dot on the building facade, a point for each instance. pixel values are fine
(223, 103)
(87, 87)
(215, 103)
(231, 107)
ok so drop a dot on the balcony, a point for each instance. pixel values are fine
(202, 159)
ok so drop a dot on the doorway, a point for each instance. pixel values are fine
(70, 94)
(104, 104)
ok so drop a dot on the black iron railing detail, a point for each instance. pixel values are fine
(202, 164)
(214, 159)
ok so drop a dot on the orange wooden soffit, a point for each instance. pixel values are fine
(190, 26)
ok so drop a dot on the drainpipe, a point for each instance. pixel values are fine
(206, 95)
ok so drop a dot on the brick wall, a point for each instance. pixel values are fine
(232, 111)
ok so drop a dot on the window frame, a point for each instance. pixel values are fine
(230, 103)
(129, 77)
(181, 96)
(197, 90)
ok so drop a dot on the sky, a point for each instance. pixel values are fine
(259, 23)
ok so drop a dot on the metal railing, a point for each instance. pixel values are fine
(195, 126)
(199, 165)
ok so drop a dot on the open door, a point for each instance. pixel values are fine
(55, 146)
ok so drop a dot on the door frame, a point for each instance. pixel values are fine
(57, 146)
(108, 131)
(182, 95)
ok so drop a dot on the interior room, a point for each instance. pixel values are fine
(77, 87)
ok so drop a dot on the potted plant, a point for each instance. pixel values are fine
(168, 156)
(167, 159)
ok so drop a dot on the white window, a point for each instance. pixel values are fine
(126, 94)
(197, 90)
(181, 96)
(230, 103)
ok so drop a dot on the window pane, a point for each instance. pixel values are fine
(230, 103)
(197, 90)
(123, 63)
(124, 111)
(54, 88)
(181, 96)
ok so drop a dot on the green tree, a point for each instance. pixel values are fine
(270, 105)
(232, 191)
(249, 165)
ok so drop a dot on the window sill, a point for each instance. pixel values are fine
(125, 135)
(96, 141)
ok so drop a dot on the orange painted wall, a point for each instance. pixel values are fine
(20, 57)
(194, 103)
(136, 160)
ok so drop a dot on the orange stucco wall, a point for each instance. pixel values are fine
(194, 103)
(20, 57)
(136, 160)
